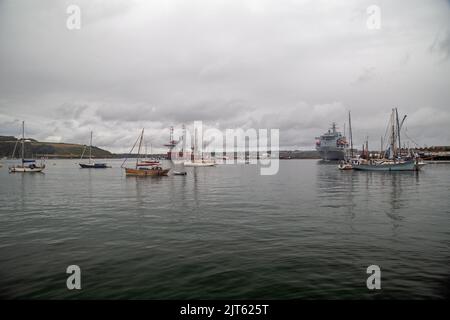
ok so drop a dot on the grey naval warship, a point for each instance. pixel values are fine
(332, 145)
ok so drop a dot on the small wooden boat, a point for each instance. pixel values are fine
(148, 163)
(144, 168)
(180, 173)
(91, 164)
(26, 165)
(153, 171)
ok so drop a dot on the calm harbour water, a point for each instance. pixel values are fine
(308, 232)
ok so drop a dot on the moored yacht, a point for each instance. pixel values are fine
(394, 159)
(26, 165)
(91, 164)
(144, 169)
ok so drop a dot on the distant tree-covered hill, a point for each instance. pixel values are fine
(35, 148)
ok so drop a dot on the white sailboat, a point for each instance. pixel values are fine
(26, 165)
(200, 163)
(197, 158)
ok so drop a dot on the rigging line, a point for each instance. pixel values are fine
(412, 140)
(14, 150)
(15, 147)
(84, 150)
(132, 148)
(82, 154)
(386, 132)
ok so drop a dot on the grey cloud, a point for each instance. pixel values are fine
(367, 75)
(441, 44)
(177, 113)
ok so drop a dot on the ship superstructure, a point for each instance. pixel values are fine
(332, 145)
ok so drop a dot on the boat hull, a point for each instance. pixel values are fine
(93, 165)
(199, 164)
(346, 166)
(402, 166)
(331, 154)
(146, 172)
(26, 169)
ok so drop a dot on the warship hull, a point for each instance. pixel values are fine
(331, 154)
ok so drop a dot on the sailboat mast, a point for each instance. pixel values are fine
(23, 142)
(183, 145)
(381, 148)
(90, 149)
(350, 131)
(139, 149)
(367, 146)
(393, 134)
(398, 131)
(195, 146)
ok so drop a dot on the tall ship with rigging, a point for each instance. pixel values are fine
(332, 145)
(394, 158)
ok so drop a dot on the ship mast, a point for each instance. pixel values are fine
(333, 127)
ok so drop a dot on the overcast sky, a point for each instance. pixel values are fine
(295, 65)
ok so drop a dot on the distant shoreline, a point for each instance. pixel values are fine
(61, 150)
